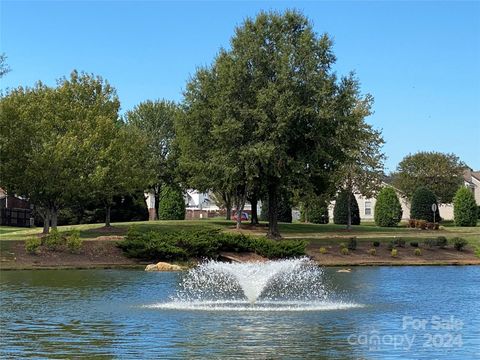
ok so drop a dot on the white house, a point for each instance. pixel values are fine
(367, 205)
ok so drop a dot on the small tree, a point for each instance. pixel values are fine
(464, 208)
(340, 211)
(172, 204)
(422, 201)
(315, 211)
(388, 211)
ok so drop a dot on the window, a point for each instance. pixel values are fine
(368, 208)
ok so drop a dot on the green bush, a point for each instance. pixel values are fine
(342, 245)
(417, 252)
(441, 242)
(181, 245)
(73, 241)
(344, 251)
(430, 242)
(465, 208)
(421, 208)
(172, 204)
(315, 211)
(388, 211)
(54, 241)
(376, 243)
(414, 244)
(340, 211)
(32, 244)
(322, 250)
(459, 243)
(352, 243)
(394, 253)
(372, 251)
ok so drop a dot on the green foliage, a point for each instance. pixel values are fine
(284, 209)
(172, 204)
(421, 208)
(32, 244)
(352, 243)
(441, 242)
(459, 243)
(182, 245)
(394, 253)
(54, 241)
(388, 211)
(414, 244)
(417, 252)
(465, 207)
(441, 173)
(314, 211)
(344, 251)
(430, 242)
(372, 251)
(342, 245)
(340, 211)
(322, 250)
(74, 242)
(376, 243)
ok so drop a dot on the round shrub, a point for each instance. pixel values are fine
(340, 211)
(344, 251)
(388, 211)
(315, 211)
(172, 204)
(376, 243)
(441, 242)
(414, 244)
(422, 201)
(417, 252)
(322, 250)
(32, 244)
(352, 243)
(372, 251)
(464, 208)
(394, 253)
(459, 243)
(74, 242)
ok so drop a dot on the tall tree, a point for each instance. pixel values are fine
(440, 173)
(156, 119)
(362, 168)
(47, 152)
(265, 111)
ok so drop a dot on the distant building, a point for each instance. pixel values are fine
(367, 205)
(15, 211)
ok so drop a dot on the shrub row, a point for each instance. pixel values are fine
(422, 225)
(55, 241)
(182, 245)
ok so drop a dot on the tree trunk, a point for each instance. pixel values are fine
(240, 198)
(228, 205)
(349, 210)
(150, 200)
(254, 217)
(273, 232)
(54, 217)
(107, 215)
(46, 221)
(239, 218)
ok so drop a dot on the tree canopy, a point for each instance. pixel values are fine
(441, 173)
(269, 110)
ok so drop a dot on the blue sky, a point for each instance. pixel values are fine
(420, 60)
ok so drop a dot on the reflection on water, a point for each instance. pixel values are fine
(104, 314)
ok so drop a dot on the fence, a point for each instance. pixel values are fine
(16, 217)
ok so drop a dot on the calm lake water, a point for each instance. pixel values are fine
(400, 312)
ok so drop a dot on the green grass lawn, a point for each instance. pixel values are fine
(366, 231)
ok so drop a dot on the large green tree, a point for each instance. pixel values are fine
(441, 173)
(267, 110)
(58, 143)
(155, 120)
(362, 167)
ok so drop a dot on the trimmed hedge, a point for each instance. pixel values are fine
(422, 201)
(182, 245)
(388, 211)
(172, 204)
(340, 211)
(465, 208)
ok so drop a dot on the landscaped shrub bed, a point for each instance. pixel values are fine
(183, 245)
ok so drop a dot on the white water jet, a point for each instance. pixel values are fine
(282, 285)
